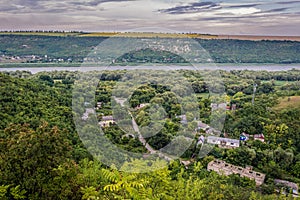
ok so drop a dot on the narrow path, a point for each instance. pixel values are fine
(140, 136)
(144, 142)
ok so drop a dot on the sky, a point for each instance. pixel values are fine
(235, 17)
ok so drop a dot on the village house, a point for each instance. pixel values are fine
(223, 142)
(245, 137)
(107, 121)
(183, 119)
(201, 140)
(221, 167)
(290, 185)
(233, 107)
(185, 163)
(88, 111)
(99, 105)
(259, 137)
(215, 106)
(202, 126)
(140, 106)
(128, 135)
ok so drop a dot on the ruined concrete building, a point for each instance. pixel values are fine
(221, 167)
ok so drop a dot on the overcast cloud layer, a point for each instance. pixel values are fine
(261, 17)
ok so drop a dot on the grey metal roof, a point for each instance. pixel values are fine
(223, 139)
(107, 118)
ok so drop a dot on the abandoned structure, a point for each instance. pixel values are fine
(221, 167)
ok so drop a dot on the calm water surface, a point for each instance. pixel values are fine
(224, 67)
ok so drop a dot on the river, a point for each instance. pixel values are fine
(227, 67)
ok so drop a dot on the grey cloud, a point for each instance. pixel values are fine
(56, 10)
(235, 19)
(42, 6)
(288, 2)
(97, 2)
(244, 6)
(21, 6)
(226, 18)
(33, 4)
(8, 8)
(192, 8)
(276, 10)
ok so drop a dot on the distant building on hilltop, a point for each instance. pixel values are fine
(221, 167)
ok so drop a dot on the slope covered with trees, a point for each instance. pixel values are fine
(74, 49)
(42, 156)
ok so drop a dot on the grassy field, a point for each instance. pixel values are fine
(158, 35)
(281, 83)
(278, 83)
(288, 102)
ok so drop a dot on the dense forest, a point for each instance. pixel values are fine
(43, 157)
(72, 48)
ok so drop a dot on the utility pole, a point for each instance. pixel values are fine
(254, 91)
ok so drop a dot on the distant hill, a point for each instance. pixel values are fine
(52, 47)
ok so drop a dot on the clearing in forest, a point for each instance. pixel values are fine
(288, 102)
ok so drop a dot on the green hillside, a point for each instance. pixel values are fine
(72, 48)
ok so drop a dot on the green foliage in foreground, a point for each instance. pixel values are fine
(36, 164)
